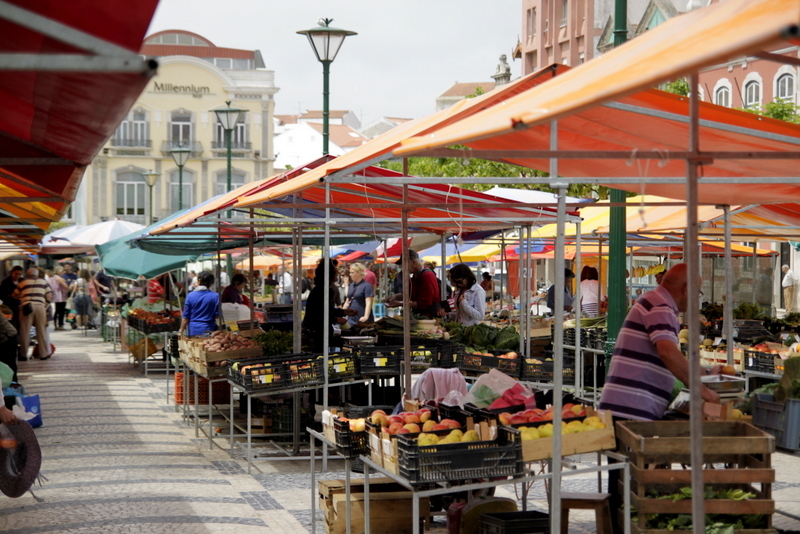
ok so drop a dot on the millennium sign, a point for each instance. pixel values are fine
(193, 90)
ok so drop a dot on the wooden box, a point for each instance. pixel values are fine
(660, 454)
(580, 443)
(390, 506)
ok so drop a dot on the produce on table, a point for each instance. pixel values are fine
(221, 341)
(455, 436)
(163, 317)
(409, 422)
(274, 342)
(482, 337)
(420, 327)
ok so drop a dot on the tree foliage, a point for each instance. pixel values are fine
(783, 110)
(679, 87)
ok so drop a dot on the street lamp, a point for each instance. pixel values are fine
(151, 178)
(228, 117)
(180, 155)
(326, 42)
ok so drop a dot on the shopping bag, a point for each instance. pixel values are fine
(70, 303)
(33, 410)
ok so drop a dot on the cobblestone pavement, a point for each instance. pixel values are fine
(119, 459)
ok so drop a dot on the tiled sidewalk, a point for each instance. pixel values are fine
(119, 459)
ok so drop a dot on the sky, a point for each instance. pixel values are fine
(406, 52)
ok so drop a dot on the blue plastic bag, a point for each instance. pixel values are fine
(30, 403)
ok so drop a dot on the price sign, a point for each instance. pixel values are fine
(717, 341)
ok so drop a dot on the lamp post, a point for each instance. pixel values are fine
(151, 178)
(180, 155)
(228, 117)
(326, 42)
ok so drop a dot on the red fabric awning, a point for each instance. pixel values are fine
(81, 76)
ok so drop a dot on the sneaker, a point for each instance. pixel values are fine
(22, 358)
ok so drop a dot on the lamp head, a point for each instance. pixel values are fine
(326, 40)
(180, 154)
(151, 177)
(228, 116)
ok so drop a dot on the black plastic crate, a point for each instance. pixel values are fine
(450, 353)
(458, 461)
(424, 357)
(258, 374)
(446, 411)
(530, 522)
(303, 370)
(354, 412)
(481, 363)
(543, 371)
(379, 360)
(759, 361)
(341, 366)
(348, 443)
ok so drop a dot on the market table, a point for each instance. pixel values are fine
(347, 466)
(417, 494)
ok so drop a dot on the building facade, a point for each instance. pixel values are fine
(176, 110)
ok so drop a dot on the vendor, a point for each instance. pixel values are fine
(470, 297)
(647, 360)
(590, 291)
(551, 293)
(424, 298)
(201, 308)
(314, 319)
(233, 293)
(360, 295)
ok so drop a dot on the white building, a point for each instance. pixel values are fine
(297, 144)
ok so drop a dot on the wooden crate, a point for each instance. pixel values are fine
(660, 455)
(390, 506)
(580, 443)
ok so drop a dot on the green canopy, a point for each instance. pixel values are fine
(120, 258)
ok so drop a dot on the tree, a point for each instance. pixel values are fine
(679, 87)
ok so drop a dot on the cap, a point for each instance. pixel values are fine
(411, 255)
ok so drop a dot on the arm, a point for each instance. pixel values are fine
(184, 325)
(679, 366)
(367, 310)
(473, 307)
(7, 417)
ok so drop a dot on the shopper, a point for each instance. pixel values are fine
(68, 275)
(469, 297)
(60, 290)
(487, 284)
(424, 297)
(201, 309)
(82, 299)
(9, 345)
(551, 293)
(788, 282)
(360, 296)
(285, 287)
(314, 320)
(7, 289)
(34, 296)
(590, 291)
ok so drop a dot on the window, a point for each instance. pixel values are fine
(581, 58)
(533, 21)
(531, 31)
(785, 86)
(174, 190)
(723, 97)
(180, 128)
(223, 62)
(237, 179)
(241, 64)
(564, 12)
(752, 94)
(131, 194)
(238, 135)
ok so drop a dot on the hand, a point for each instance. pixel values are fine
(341, 320)
(394, 303)
(711, 396)
(7, 417)
(441, 312)
(364, 319)
(716, 370)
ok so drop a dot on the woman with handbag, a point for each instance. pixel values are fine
(60, 290)
(83, 302)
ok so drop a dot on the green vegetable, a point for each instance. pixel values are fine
(507, 339)
(275, 342)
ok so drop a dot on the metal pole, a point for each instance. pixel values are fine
(228, 145)
(558, 342)
(180, 188)
(151, 204)
(693, 315)
(326, 69)
(727, 306)
(576, 307)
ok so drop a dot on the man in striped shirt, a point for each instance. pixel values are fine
(36, 292)
(646, 357)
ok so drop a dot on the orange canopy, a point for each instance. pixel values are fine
(607, 104)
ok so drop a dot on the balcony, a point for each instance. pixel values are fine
(235, 145)
(195, 146)
(131, 143)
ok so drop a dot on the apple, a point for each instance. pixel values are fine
(412, 427)
(411, 418)
(505, 418)
(378, 412)
(380, 419)
(424, 416)
(428, 425)
(547, 416)
(358, 425)
(450, 423)
(568, 414)
(394, 427)
(535, 418)
(518, 419)
(403, 430)
(395, 419)
(528, 413)
(439, 426)
(577, 409)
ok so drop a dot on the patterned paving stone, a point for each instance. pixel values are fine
(228, 467)
(261, 500)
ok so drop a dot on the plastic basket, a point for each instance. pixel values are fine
(543, 371)
(531, 522)
(380, 360)
(258, 374)
(481, 363)
(759, 362)
(780, 420)
(450, 353)
(354, 412)
(350, 444)
(221, 391)
(303, 370)
(458, 461)
(424, 357)
(341, 366)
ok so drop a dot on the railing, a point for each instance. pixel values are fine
(195, 146)
(235, 145)
(132, 143)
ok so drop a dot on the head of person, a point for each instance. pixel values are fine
(568, 276)
(462, 276)
(281, 269)
(205, 278)
(589, 273)
(67, 268)
(486, 276)
(59, 269)
(676, 282)
(415, 264)
(32, 273)
(16, 273)
(333, 273)
(357, 271)
(785, 268)
(660, 277)
(48, 272)
(85, 274)
(238, 281)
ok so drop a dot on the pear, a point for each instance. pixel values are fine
(470, 435)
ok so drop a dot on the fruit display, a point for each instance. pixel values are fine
(409, 422)
(422, 327)
(221, 341)
(150, 322)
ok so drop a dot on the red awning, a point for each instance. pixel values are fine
(69, 72)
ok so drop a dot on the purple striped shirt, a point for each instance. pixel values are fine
(639, 385)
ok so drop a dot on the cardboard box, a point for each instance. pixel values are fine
(390, 506)
(580, 443)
